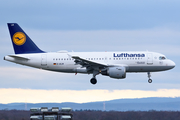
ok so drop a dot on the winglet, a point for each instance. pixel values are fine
(21, 42)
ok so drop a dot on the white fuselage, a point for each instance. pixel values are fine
(63, 62)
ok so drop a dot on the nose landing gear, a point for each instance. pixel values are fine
(150, 80)
(149, 75)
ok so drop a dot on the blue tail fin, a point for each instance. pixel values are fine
(21, 42)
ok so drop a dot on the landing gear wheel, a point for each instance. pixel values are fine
(93, 81)
(149, 76)
(150, 80)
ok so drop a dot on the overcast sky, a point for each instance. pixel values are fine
(103, 25)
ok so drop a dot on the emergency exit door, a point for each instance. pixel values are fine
(149, 59)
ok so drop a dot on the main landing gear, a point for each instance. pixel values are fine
(149, 75)
(93, 80)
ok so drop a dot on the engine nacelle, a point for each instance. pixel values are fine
(115, 72)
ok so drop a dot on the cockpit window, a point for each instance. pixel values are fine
(162, 58)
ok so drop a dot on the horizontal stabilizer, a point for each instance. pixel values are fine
(19, 57)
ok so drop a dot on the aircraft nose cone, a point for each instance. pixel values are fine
(172, 64)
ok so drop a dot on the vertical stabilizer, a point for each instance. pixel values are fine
(21, 42)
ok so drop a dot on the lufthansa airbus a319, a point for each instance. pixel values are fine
(112, 64)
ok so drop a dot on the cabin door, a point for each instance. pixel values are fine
(44, 60)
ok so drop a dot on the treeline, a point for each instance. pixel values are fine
(100, 115)
(14, 115)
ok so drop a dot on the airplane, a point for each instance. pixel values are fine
(112, 64)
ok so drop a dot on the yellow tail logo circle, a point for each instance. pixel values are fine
(19, 38)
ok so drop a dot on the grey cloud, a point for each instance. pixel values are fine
(157, 40)
(29, 78)
(90, 15)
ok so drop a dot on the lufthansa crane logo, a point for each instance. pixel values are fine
(19, 38)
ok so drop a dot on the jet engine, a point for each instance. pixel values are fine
(115, 72)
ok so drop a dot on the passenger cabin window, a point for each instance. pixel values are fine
(162, 58)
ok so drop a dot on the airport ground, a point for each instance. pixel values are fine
(100, 115)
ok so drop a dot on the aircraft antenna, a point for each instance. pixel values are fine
(104, 106)
(25, 107)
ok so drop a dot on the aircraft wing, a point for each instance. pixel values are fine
(90, 65)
